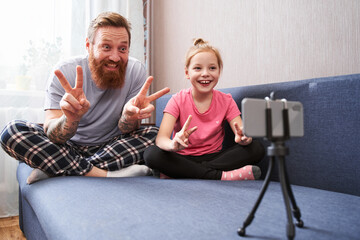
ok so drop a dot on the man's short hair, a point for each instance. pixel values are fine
(106, 19)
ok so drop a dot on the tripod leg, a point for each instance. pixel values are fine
(296, 210)
(290, 225)
(250, 217)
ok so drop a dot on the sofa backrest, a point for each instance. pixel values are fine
(327, 157)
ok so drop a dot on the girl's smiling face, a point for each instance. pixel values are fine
(203, 71)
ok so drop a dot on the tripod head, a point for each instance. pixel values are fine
(285, 118)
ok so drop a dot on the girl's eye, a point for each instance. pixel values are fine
(213, 68)
(197, 68)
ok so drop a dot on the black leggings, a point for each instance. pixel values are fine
(208, 166)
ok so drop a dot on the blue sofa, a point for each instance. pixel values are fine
(323, 169)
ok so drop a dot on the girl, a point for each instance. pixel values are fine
(196, 118)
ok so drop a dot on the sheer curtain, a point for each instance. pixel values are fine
(36, 35)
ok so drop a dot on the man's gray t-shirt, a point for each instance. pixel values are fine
(100, 123)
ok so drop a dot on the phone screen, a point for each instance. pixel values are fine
(254, 117)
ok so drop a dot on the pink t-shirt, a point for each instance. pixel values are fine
(209, 136)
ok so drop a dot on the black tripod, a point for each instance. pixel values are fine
(279, 150)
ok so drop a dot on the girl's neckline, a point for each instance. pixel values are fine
(205, 103)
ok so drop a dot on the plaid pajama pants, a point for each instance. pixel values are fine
(27, 142)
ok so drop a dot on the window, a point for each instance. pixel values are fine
(35, 35)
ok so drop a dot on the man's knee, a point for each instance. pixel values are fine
(147, 132)
(11, 129)
(151, 131)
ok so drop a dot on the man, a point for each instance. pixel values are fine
(94, 105)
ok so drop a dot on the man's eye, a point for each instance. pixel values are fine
(123, 49)
(106, 47)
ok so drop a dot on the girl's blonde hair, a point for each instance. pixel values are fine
(202, 46)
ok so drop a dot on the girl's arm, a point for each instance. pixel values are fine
(181, 138)
(237, 126)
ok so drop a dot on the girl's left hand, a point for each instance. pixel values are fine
(240, 138)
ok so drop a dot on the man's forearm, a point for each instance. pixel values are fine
(128, 125)
(60, 131)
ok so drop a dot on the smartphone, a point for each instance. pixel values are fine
(253, 112)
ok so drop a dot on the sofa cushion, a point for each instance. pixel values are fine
(153, 208)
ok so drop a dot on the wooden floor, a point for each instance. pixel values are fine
(10, 230)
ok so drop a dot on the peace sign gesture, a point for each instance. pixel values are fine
(181, 138)
(240, 138)
(139, 107)
(74, 103)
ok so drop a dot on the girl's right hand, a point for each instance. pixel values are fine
(181, 138)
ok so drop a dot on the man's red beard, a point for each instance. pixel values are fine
(107, 79)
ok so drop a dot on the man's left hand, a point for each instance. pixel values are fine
(140, 107)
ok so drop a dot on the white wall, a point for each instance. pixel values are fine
(261, 41)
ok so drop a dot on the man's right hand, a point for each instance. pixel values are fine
(74, 103)
(61, 125)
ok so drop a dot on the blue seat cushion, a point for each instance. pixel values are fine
(153, 208)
